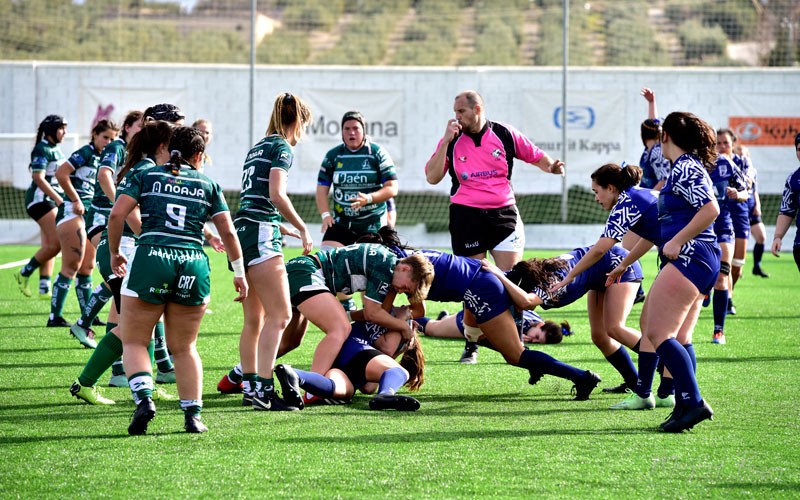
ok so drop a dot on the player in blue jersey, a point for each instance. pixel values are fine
(655, 168)
(365, 362)
(41, 200)
(789, 206)
(729, 184)
(531, 327)
(76, 176)
(169, 272)
(488, 316)
(738, 208)
(633, 209)
(690, 258)
(757, 228)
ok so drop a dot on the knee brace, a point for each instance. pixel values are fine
(738, 262)
(724, 268)
(472, 333)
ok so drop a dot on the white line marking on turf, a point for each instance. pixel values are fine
(18, 263)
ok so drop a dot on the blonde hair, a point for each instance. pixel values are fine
(287, 111)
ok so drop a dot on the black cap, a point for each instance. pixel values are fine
(51, 124)
(353, 115)
(164, 112)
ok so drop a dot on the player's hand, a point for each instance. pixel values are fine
(217, 244)
(308, 241)
(327, 223)
(557, 167)
(488, 265)
(648, 94)
(78, 208)
(361, 201)
(240, 284)
(671, 250)
(119, 264)
(776, 246)
(287, 231)
(452, 130)
(558, 286)
(614, 275)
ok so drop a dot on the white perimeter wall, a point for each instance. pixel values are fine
(418, 103)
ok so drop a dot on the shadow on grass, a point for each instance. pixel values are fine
(16, 366)
(748, 488)
(20, 350)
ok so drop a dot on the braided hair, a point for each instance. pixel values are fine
(186, 143)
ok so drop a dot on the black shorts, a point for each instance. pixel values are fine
(356, 368)
(478, 230)
(39, 210)
(341, 234)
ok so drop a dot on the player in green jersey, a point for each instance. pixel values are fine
(96, 217)
(362, 178)
(169, 272)
(41, 200)
(76, 176)
(148, 148)
(264, 205)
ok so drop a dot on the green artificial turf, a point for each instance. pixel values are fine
(481, 432)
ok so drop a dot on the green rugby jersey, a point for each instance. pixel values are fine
(114, 159)
(270, 152)
(45, 157)
(85, 162)
(350, 172)
(363, 267)
(174, 207)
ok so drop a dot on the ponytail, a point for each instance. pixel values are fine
(145, 144)
(175, 161)
(621, 177)
(413, 361)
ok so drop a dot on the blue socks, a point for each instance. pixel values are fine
(392, 380)
(621, 360)
(692, 356)
(316, 384)
(422, 322)
(720, 309)
(647, 370)
(677, 361)
(538, 361)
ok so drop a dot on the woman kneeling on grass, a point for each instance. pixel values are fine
(169, 272)
(366, 362)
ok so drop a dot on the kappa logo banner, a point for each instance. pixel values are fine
(595, 124)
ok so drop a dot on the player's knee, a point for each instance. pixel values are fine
(737, 262)
(724, 268)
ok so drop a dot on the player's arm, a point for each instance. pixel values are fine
(594, 254)
(45, 187)
(521, 298)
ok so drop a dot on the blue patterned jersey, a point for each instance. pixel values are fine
(687, 189)
(654, 166)
(636, 210)
(593, 278)
(452, 274)
(790, 202)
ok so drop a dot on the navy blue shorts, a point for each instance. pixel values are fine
(486, 297)
(740, 217)
(723, 226)
(699, 262)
